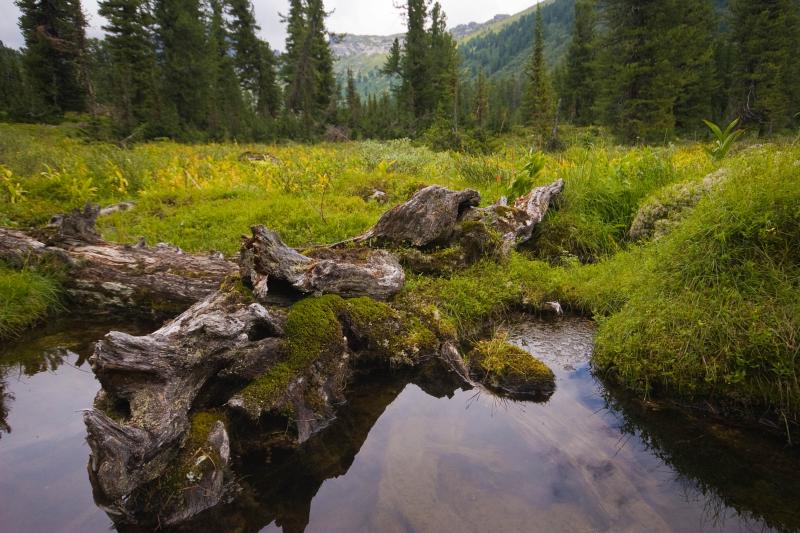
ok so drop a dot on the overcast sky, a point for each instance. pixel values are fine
(371, 17)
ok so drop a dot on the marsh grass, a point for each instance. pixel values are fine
(710, 310)
(25, 296)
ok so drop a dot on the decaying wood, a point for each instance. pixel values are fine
(102, 276)
(430, 217)
(151, 382)
(265, 258)
(231, 338)
(516, 224)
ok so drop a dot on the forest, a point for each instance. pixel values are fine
(198, 71)
(548, 281)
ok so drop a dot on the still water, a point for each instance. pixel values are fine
(409, 453)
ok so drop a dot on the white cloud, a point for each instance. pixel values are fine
(372, 17)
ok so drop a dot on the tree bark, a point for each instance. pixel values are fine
(161, 280)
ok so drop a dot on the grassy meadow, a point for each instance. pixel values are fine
(709, 310)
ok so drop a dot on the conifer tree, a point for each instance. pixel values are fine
(580, 65)
(392, 66)
(133, 72)
(255, 61)
(538, 99)
(694, 64)
(638, 81)
(227, 114)
(297, 71)
(443, 64)
(55, 54)
(481, 107)
(321, 58)
(415, 61)
(13, 89)
(186, 66)
(766, 37)
(353, 102)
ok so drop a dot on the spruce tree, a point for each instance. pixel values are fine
(415, 62)
(55, 54)
(255, 61)
(13, 90)
(766, 37)
(579, 78)
(134, 75)
(538, 99)
(481, 107)
(321, 58)
(353, 102)
(186, 66)
(694, 64)
(638, 85)
(227, 113)
(297, 70)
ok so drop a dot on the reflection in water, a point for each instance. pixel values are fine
(46, 384)
(405, 457)
(413, 453)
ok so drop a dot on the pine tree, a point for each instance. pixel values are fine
(55, 54)
(481, 107)
(766, 36)
(538, 99)
(185, 64)
(255, 61)
(227, 113)
(579, 77)
(638, 88)
(321, 58)
(133, 72)
(13, 90)
(353, 102)
(694, 64)
(415, 63)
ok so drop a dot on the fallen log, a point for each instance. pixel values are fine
(348, 273)
(102, 276)
(280, 373)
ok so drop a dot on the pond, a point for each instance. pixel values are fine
(413, 453)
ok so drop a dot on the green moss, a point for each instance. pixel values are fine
(234, 286)
(202, 423)
(397, 336)
(195, 460)
(499, 364)
(312, 329)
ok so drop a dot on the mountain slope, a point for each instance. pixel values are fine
(499, 46)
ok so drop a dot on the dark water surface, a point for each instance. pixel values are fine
(412, 454)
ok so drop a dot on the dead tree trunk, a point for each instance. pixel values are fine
(109, 277)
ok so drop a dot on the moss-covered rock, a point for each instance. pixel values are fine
(506, 368)
(666, 208)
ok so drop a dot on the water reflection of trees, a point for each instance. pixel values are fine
(750, 472)
(5, 398)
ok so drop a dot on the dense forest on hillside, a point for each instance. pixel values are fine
(197, 70)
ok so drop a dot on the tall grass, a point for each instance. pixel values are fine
(25, 296)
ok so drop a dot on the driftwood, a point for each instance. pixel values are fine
(265, 258)
(436, 216)
(279, 374)
(430, 217)
(109, 277)
(150, 383)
